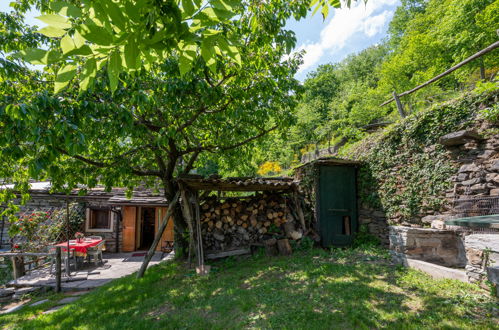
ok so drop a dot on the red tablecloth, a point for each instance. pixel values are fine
(80, 248)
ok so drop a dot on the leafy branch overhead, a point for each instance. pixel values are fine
(128, 35)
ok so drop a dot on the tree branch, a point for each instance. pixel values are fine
(228, 147)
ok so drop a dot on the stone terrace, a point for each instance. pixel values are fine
(116, 265)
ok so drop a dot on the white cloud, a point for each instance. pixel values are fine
(344, 24)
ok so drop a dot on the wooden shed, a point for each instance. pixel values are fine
(330, 187)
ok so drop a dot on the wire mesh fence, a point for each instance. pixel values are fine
(472, 206)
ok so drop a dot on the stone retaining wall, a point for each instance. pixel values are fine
(482, 251)
(442, 247)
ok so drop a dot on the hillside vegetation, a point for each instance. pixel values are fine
(425, 38)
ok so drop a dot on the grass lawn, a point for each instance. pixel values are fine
(314, 289)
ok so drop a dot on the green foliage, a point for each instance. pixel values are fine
(138, 34)
(364, 239)
(406, 171)
(34, 231)
(341, 101)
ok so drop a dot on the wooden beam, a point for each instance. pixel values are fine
(443, 74)
(161, 229)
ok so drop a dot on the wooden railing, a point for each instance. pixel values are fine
(18, 263)
(396, 97)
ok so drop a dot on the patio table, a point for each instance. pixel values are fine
(80, 248)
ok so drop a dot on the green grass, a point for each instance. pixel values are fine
(315, 289)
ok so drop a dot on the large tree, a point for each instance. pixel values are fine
(156, 123)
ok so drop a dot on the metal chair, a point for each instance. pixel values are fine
(96, 253)
(64, 258)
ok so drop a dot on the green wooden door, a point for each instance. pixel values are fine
(337, 205)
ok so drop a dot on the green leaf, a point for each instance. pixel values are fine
(95, 34)
(113, 70)
(67, 44)
(64, 76)
(188, 8)
(325, 11)
(66, 9)
(131, 53)
(78, 39)
(184, 64)
(208, 53)
(55, 20)
(216, 14)
(52, 32)
(220, 4)
(115, 13)
(88, 74)
(34, 56)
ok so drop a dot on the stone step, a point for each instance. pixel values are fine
(437, 271)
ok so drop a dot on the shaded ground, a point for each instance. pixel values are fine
(315, 290)
(91, 276)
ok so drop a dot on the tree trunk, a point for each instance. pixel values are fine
(181, 242)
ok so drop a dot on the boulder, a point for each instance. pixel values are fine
(468, 168)
(459, 138)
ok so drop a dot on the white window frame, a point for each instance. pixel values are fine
(98, 230)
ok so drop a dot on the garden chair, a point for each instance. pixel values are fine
(64, 258)
(96, 253)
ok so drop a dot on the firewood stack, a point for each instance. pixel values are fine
(234, 223)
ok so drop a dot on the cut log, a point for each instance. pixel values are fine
(284, 247)
(271, 247)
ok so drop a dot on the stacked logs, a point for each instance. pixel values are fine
(233, 223)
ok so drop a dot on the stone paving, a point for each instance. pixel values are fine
(116, 265)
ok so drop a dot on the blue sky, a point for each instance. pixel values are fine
(345, 31)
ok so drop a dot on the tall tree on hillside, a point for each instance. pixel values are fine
(155, 123)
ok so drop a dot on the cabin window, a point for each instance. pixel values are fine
(99, 220)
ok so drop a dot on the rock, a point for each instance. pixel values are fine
(39, 302)
(479, 188)
(7, 292)
(486, 154)
(474, 256)
(493, 276)
(13, 309)
(494, 192)
(53, 309)
(459, 138)
(471, 182)
(68, 300)
(461, 177)
(494, 166)
(24, 291)
(438, 224)
(468, 168)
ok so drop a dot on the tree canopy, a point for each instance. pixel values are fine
(126, 36)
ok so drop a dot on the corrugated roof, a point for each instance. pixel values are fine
(239, 184)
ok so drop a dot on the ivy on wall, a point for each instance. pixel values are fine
(406, 172)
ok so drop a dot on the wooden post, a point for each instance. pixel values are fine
(18, 266)
(186, 211)
(400, 107)
(159, 233)
(299, 210)
(58, 270)
(68, 268)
